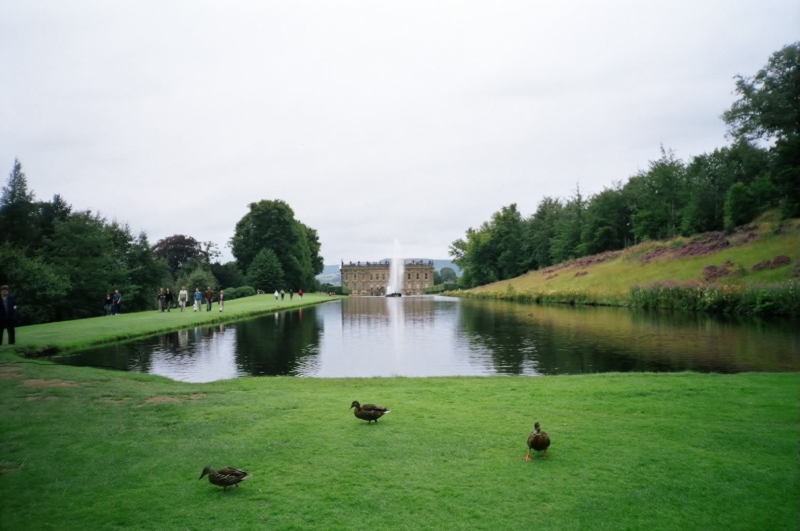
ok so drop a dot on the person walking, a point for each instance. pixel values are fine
(282, 294)
(276, 294)
(8, 315)
(291, 293)
(117, 302)
(109, 306)
(168, 299)
(209, 298)
(160, 299)
(197, 298)
(221, 300)
(183, 297)
(300, 294)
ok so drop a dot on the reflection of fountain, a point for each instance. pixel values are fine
(396, 270)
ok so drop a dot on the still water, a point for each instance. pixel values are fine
(443, 336)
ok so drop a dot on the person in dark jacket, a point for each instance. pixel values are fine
(209, 298)
(117, 302)
(109, 304)
(8, 315)
(168, 299)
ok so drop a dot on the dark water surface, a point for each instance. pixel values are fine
(442, 336)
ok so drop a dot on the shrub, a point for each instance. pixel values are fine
(245, 291)
(780, 261)
(767, 299)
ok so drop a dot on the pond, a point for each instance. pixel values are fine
(444, 336)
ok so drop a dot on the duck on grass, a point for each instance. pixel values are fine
(369, 412)
(225, 477)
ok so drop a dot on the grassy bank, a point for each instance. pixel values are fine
(735, 273)
(86, 449)
(69, 335)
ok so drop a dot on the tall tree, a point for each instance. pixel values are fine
(538, 232)
(272, 225)
(606, 224)
(768, 109)
(656, 198)
(17, 210)
(178, 249)
(566, 242)
(265, 272)
(81, 251)
(38, 286)
(16, 188)
(228, 274)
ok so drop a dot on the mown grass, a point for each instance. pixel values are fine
(83, 449)
(610, 282)
(70, 335)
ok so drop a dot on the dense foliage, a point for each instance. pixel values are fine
(710, 192)
(272, 225)
(61, 263)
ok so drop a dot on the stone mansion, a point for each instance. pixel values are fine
(372, 278)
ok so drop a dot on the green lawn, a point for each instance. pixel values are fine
(82, 333)
(82, 448)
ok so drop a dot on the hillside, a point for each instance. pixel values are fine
(754, 255)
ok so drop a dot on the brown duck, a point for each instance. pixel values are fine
(225, 477)
(369, 412)
(538, 440)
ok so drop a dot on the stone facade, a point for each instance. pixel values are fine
(372, 278)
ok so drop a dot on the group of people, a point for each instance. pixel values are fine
(165, 299)
(282, 294)
(113, 305)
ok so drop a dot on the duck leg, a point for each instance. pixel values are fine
(545, 455)
(528, 457)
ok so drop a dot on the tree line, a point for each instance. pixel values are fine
(61, 262)
(715, 191)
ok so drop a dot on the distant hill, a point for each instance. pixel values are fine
(330, 274)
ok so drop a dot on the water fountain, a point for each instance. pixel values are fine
(396, 271)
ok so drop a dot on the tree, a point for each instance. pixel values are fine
(144, 273)
(37, 285)
(768, 109)
(265, 272)
(314, 247)
(606, 222)
(566, 242)
(538, 232)
(16, 188)
(81, 250)
(199, 277)
(656, 198)
(17, 210)
(738, 206)
(179, 249)
(448, 275)
(272, 225)
(228, 274)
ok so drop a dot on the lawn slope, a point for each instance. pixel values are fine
(69, 335)
(738, 262)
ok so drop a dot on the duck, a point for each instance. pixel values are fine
(369, 412)
(538, 440)
(225, 477)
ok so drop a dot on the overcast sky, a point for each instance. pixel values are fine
(374, 120)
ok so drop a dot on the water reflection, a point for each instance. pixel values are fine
(439, 336)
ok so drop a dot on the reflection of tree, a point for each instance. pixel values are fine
(521, 339)
(279, 345)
